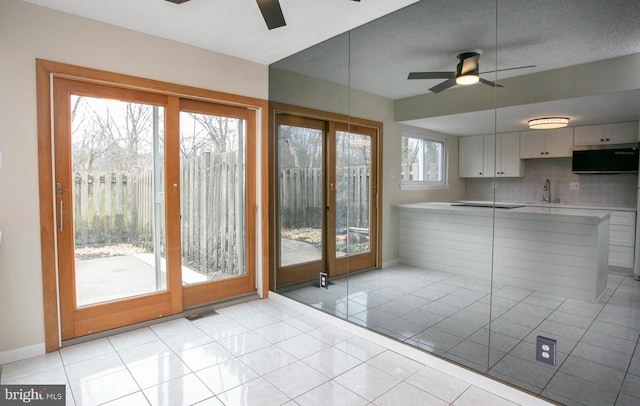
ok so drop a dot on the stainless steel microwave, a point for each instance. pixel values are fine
(620, 158)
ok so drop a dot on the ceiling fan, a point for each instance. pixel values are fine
(270, 9)
(467, 72)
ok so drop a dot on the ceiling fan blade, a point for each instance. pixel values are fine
(502, 70)
(490, 83)
(431, 75)
(177, 1)
(272, 13)
(443, 86)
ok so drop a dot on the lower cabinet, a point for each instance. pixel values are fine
(622, 238)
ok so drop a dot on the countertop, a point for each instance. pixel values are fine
(559, 205)
(576, 213)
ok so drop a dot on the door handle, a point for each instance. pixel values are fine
(61, 214)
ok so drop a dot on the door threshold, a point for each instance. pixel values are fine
(191, 313)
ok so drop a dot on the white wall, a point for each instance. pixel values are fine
(292, 88)
(28, 32)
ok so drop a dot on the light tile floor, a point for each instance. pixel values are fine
(597, 364)
(263, 352)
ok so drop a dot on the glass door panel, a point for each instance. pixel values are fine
(355, 198)
(217, 205)
(301, 199)
(301, 206)
(353, 191)
(212, 154)
(117, 199)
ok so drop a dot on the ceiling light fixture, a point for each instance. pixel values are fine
(467, 79)
(548, 123)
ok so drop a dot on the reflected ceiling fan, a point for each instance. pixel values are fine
(270, 9)
(467, 72)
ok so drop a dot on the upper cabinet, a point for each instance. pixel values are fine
(508, 162)
(489, 155)
(615, 133)
(471, 157)
(556, 143)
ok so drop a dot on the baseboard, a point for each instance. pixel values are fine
(21, 353)
(391, 262)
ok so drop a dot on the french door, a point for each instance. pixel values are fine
(326, 198)
(152, 209)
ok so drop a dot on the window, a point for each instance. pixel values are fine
(423, 162)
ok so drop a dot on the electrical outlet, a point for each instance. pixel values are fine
(574, 185)
(546, 350)
(324, 280)
(392, 173)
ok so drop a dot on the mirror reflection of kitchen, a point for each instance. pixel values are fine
(509, 186)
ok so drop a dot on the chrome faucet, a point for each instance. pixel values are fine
(546, 192)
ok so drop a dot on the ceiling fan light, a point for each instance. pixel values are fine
(467, 79)
(548, 123)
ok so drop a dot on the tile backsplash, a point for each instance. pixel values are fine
(594, 190)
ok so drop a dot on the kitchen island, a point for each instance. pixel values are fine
(552, 250)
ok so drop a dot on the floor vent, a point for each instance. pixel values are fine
(197, 316)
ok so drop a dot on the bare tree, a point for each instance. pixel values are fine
(111, 136)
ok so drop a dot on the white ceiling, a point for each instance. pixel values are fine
(233, 27)
(425, 36)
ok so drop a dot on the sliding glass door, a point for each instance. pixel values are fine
(154, 202)
(326, 193)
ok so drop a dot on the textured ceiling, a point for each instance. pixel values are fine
(233, 27)
(426, 36)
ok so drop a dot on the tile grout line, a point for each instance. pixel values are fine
(580, 340)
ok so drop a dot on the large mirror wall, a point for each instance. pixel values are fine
(369, 160)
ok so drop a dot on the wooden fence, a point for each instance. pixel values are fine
(118, 207)
(301, 202)
(212, 204)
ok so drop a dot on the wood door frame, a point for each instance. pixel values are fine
(45, 72)
(305, 112)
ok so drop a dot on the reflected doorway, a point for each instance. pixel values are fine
(326, 198)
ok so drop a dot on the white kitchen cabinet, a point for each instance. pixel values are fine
(471, 157)
(478, 159)
(603, 134)
(622, 226)
(556, 143)
(509, 163)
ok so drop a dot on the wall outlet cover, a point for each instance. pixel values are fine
(546, 350)
(324, 280)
